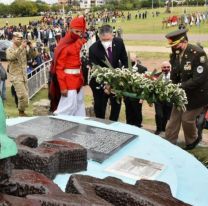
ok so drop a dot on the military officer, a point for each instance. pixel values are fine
(189, 70)
(17, 69)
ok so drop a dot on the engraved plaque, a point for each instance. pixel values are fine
(100, 143)
(43, 128)
(136, 168)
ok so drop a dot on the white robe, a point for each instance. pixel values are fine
(73, 104)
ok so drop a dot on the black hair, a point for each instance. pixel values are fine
(105, 29)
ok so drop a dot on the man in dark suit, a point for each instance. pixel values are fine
(113, 48)
(133, 107)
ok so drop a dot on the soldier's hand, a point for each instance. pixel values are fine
(64, 93)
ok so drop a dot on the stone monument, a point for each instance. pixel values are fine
(26, 187)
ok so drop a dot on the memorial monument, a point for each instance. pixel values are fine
(23, 187)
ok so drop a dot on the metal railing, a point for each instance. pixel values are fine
(38, 78)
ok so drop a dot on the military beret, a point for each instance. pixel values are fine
(18, 34)
(176, 37)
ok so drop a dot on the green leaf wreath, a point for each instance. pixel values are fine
(128, 82)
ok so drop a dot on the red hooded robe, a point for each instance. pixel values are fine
(54, 86)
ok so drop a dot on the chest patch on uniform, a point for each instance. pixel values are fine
(200, 69)
(187, 66)
(202, 59)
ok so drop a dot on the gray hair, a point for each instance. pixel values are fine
(105, 29)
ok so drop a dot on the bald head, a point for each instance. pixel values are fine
(166, 67)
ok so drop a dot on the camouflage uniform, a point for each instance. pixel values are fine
(18, 74)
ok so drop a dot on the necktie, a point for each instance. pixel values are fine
(110, 55)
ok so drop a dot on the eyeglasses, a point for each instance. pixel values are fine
(166, 67)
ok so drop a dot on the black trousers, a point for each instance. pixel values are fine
(162, 114)
(100, 104)
(133, 111)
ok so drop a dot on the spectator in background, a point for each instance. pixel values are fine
(163, 108)
(119, 32)
(45, 37)
(3, 78)
(37, 61)
(30, 53)
(45, 55)
(134, 106)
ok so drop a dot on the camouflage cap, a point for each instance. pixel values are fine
(176, 37)
(18, 34)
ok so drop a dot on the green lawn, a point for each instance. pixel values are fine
(10, 107)
(17, 20)
(154, 25)
(153, 55)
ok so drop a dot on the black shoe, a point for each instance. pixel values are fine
(157, 132)
(192, 145)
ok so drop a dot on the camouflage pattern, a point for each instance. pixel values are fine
(17, 70)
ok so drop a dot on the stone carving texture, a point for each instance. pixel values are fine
(118, 193)
(29, 188)
(51, 157)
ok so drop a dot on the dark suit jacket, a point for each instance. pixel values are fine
(192, 73)
(97, 55)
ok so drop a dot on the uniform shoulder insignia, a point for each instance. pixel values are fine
(202, 59)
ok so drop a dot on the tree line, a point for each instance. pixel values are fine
(138, 4)
(28, 8)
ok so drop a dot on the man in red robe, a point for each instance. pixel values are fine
(67, 67)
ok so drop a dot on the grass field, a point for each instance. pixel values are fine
(154, 25)
(149, 25)
(17, 20)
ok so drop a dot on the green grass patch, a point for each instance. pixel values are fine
(201, 153)
(153, 55)
(145, 43)
(153, 25)
(10, 107)
(15, 21)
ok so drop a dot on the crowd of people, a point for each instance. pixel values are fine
(189, 20)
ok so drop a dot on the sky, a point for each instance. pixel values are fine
(10, 1)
